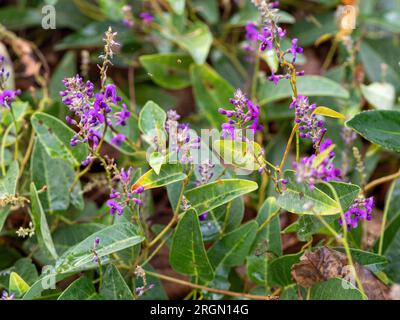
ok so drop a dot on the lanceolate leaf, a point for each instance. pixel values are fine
(211, 92)
(381, 127)
(187, 254)
(271, 232)
(233, 248)
(169, 70)
(214, 194)
(169, 173)
(114, 285)
(42, 230)
(55, 137)
(112, 239)
(55, 196)
(298, 197)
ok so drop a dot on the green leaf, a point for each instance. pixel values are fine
(112, 239)
(335, 289)
(211, 91)
(232, 249)
(114, 286)
(66, 68)
(17, 285)
(42, 230)
(196, 40)
(69, 235)
(346, 192)
(187, 254)
(257, 269)
(168, 70)
(391, 249)
(380, 95)
(168, 174)
(55, 137)
(315, 86)
(394, 201)
(271, 233)
(178, 6)
(298, 196)
(381, 127)
(56, 196)
(279, 270)
(244, 155)
(152, 119)
(209, 196)
(372, 261)
(24, 268)
(80, 289)
(4, 211)
(8, 184)
(374, 54)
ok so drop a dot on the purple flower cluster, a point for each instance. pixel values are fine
(360, 209)
(122, 195)
(270, 36)
(6, 296)
(311, 171)
(206, 172)
(7, 96)
(92, 111)
(245, 116)
(310, 126)
(181, 140)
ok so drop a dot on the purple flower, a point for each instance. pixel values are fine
(245, 116)
(275, 78)
(310, 126)
(115, 207)
(96, 241)
(182, 142)
(128, 17)
(146, 17)
(310, 171)
(139, 190)
(118, 139)
(294, 49)
(8, 96)
(122, 115)
(206, 172)
(251, 31)
(125, 176)
(360, 209)
(6, 296)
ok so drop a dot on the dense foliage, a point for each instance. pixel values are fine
(199, 149)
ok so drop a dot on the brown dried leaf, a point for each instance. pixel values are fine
(326, 263)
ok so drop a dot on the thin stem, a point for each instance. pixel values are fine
(16, 149)
(344, 239)
(289, 143)
(201, 287)
(384, 218)
(379, 181)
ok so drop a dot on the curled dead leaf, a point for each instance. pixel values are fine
(326, 263)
